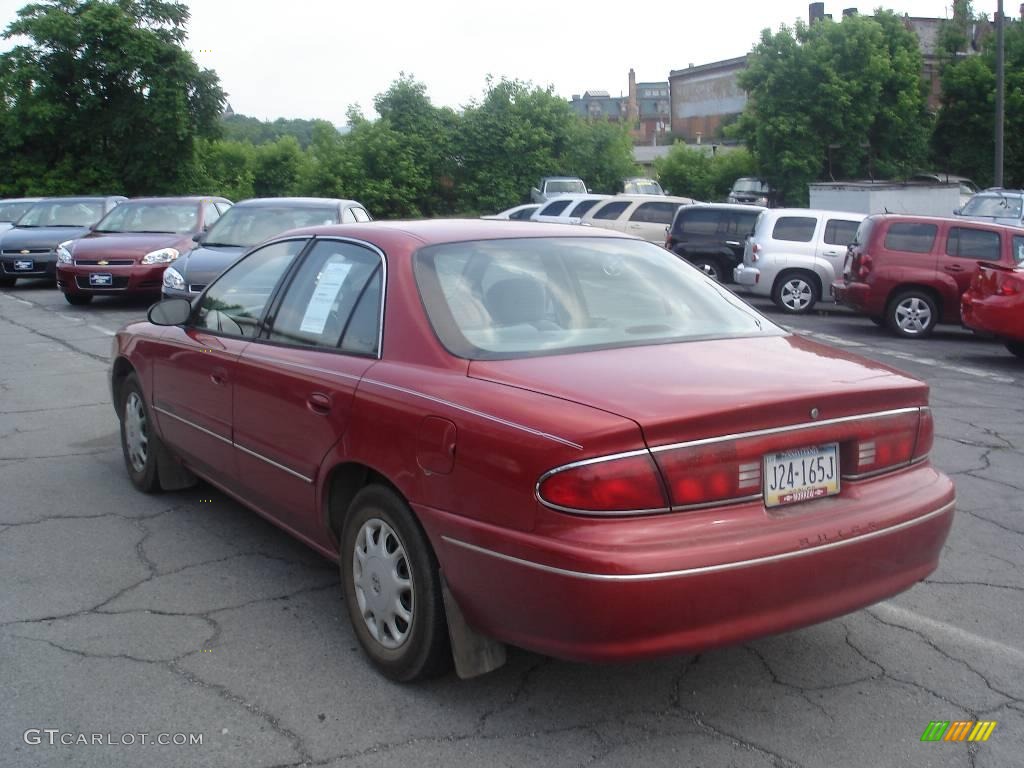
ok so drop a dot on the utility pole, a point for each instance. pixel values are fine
(1000, 93)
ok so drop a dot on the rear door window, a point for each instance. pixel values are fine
(584, 206)
(969, 243)
(612, 210)
(840, 232)
(910, 236)
(654, 213)
(698, 222)
(555, 208)
(1018, 250)
(795, 229)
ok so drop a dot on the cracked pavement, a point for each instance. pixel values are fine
(185, 613)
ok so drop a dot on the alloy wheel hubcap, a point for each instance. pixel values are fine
(383, 583)
(913, 315)
(135, 432)
(796, 294)
(709, 270)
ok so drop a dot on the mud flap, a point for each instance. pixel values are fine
(171, 473)
(474, 654)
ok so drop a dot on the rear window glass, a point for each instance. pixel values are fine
(911, 237)
(553, 209)
(969, 243)
(612, 210)
(863, 232)
(796, 229)
(1018, 249)
(503, 299)
(698, 222)
(840, 231)
(655, 213)
(584, 206)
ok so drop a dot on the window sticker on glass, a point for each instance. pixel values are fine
(326, 293)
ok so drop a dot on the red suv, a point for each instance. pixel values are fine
(909, 272)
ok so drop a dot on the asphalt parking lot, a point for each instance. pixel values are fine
(124, 614)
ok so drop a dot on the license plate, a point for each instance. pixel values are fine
(24, 265)
(801, 475)
(101, 280)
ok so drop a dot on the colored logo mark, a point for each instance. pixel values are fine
(958, 730)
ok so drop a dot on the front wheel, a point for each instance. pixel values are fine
(796, 293)
(392, 587)
(1016, 347)
(711, 268)
(139, 442)
(78, 299)
(912, 314)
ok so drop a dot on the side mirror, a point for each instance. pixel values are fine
(170, 312)
(958, 211)
(198, 237)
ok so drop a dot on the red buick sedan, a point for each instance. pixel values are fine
(566, 440)
(129, 249)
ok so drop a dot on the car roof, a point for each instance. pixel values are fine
(560, 178)
(436, 231)
(813, 212)
(179, 199)
(81, 198)
(296, 202)
(724, 207)
(632, 196)
(570, 196)
(21, 199)
(958, 221)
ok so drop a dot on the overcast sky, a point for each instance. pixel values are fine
(312, 58)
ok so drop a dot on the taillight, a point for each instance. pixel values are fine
(606, 486)
(863, 266)
(1008, 284)
(755, 249)
(894, 442)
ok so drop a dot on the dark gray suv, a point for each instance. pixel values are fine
(712, 236)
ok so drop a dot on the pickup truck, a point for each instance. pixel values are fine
(554, 186)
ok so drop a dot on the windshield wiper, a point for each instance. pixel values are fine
(221, 245)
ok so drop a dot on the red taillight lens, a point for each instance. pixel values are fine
(1008, 284)
(894, 442)
(863, 266)
(755, 249)
(925, 434)
(709, 474)
(628, 484)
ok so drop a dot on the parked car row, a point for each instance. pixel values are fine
(93, 246)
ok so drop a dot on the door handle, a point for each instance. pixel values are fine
(319, 403)
(733, 242)
(953, 268)
(218, 376)
(634, 226)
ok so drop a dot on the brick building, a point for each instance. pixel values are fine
(645, 107)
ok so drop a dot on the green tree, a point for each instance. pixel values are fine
(963, 141)
(836, 99)
(601, 153)
(226, 168)
(103, 98)
(692, 172)
(276, 167)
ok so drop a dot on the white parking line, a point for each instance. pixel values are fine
(101, 329)
(929, 361)
(923, 624)
(26, 303)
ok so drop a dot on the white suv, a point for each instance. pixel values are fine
(646, 216)
(795, 254)
(566, 209)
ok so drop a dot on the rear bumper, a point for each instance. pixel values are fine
(134, 279)
(856, 296)
(595, 600)
(1002, 316)
(746, 276)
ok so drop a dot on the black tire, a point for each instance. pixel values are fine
(912, 314)
(1016, 347)
(796, 292)
(877, 320)
(709, 267)
(78, 299)
(403, 650)
(143, 473)
(8, 282)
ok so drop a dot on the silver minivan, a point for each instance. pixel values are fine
(795, 254)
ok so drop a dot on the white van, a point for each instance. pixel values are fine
(795, 254)
(567, 209)
(646, 216)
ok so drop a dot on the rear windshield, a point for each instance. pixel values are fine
(709, 222)
(503, 299)
(249, 225)
(999, 206)
(911, 237)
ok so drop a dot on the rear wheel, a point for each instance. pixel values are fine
(912, 314)
(78, 299)
(7, 282)
(709, 267)
(796, 292)
(392, 587)
(1016, 347)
